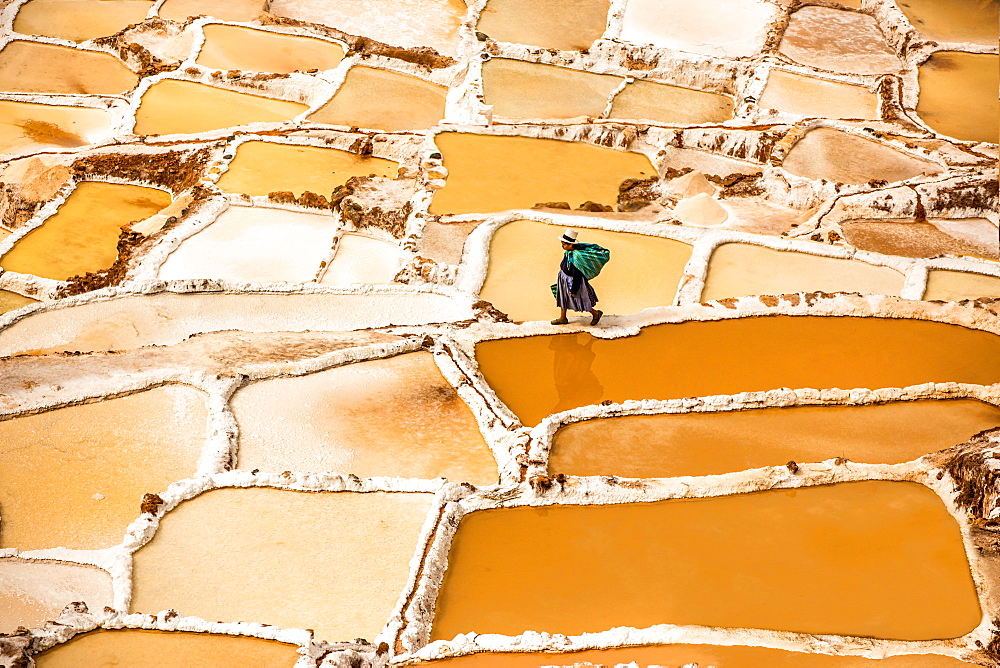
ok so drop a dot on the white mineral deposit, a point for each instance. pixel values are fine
(283, 381)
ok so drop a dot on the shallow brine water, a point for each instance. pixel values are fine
(238, 48)
(736, 270)
(133, 648)
(86, 229)
(660, 446)
(205, 108)
(539, 375)
(714, 562)
(390, 417)
(491, 173)
(334, 562)
(74, 477)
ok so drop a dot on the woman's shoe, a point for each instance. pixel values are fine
(596, 319)
(559, 321)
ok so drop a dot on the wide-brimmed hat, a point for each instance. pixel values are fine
(568, 237)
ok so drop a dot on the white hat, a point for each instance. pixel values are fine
(568, 237)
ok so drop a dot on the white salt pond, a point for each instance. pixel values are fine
(737, 27)
(33, 592)
(362, 259)
(255, 245)
(406, 23)
(736, 270)
(75, 477)
(334, 562)
(389, 417)
(166, 318)
(837, 40)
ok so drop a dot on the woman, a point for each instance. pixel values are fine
(572, 289)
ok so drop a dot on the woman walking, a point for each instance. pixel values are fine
(573, 290)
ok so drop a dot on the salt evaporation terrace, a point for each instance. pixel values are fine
(277, 381)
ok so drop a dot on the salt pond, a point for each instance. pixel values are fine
(388, 417)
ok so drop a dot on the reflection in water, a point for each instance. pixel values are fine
(576, 383)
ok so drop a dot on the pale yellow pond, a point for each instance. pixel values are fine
(79, 20)
(238, 48)
(11, 300)
(30, 67)
(958, 95)
(838, 156)
(311, 168)
(34, 592)
(524, 261)
(957, 285)
(226, 10)
(735, 270)
(670, 104)
(335, 562)
(532, 90)
(568, 25)
(134, 648)
(375, 98)
(74, 477)
(809, 96)
(492, 173)
(205, 108)
(955, 20)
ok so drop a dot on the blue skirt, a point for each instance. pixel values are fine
(583, 301)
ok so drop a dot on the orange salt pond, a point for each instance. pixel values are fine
(74, 477)
(539, 375)
(568, 25)
(79, 20)
(11, 300)
(311, 168)
(225, 10)
(954, 20)
(736, 270)
(662, 446)
(406, 23)
(34, 592)
(205, 108)
(30, 67)
(237, 48)
(531, 90)
(809, 96)
(335, 562)
(837, 40)
(670, 104)
(387, 417)
(958, 95)
(491, 173)
(525, 257)
(678, 656)
(958, 285)
(134, 648)
(715, 562)
(86, 229)
(845, 158)
(26, 127)
(375, 98)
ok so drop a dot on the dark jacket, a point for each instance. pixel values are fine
(570, 270)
